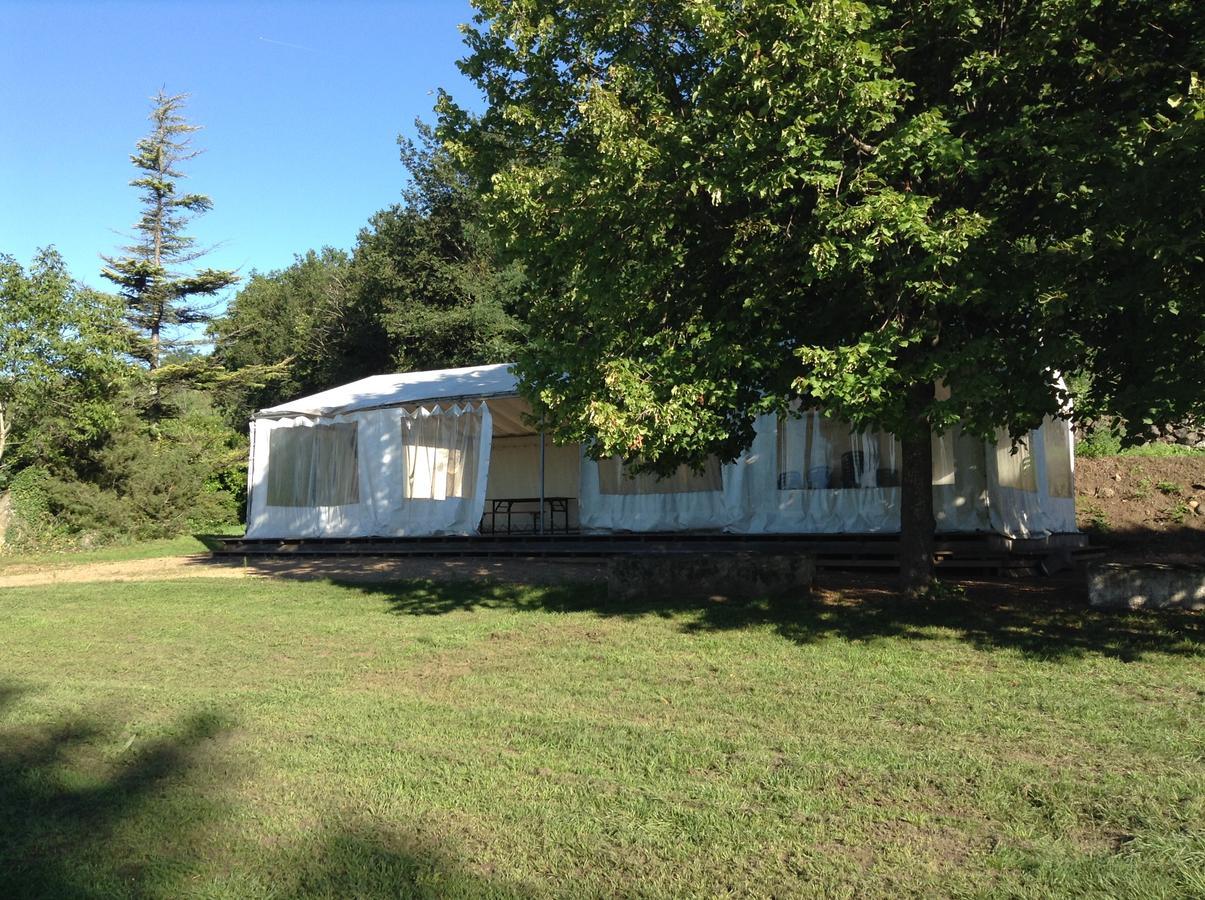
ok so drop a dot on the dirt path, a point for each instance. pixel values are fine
(368, 568)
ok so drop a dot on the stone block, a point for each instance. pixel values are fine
(1146, 586)
(732, 576)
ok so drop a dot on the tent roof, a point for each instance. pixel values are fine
(469, 383)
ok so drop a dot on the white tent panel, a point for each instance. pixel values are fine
(385, 472)
(515, 473)
(443, 465)
(811, 475)
(287, 497)
(960, 499)
(515, 468)
(685, 503)
(1023, 499)
(802, 475)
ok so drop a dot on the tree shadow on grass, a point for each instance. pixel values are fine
(62, 801)
(75, 825)
(368, 862)
(1046, 620)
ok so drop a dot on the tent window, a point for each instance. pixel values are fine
(817, 453)
(1057, 438)
(1015, 470)
(944, 467)
(313, 465)
(439, 454)
(614, 478)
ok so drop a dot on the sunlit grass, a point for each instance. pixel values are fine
(272, 739)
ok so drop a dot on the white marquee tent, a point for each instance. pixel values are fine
(451, 452)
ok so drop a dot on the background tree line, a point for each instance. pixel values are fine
(421, 289)
(115, 421)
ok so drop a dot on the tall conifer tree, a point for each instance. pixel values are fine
(153, 275)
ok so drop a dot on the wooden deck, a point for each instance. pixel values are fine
(985, 554)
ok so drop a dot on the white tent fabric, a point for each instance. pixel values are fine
(1030, 487)
(389, 472)
(515, 473)
(316, 466)
(470, 383)
(805, 475)
(439, 453)
(410, 455)
(515, 468)
(444, 462)
(959, 483)
(611, 500)
(287, 499)
(828, 478)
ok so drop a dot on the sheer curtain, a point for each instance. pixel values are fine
(816, 453)
(440, 452)
(1031, 489)
(614, 478)
(1015, 465)
(314, 465)
(945, 458)
(1057, 438)
(832, 478)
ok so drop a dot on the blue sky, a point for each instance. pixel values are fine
(301, 104)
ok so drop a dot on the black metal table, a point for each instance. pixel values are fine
(505, 506)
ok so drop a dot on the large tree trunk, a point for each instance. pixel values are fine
(917, 523)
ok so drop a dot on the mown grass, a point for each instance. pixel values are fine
(1158, 451)
(1102, 444)
(273, 739)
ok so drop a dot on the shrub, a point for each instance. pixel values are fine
(143, 479)
(1097, 440)
(1162, 450)
(32, 523)
(1108, 440)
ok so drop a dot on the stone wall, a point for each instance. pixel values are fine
(734, 576)
(1146, 586)
(1190, 435)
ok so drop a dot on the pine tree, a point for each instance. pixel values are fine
(160, 293)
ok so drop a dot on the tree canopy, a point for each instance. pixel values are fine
(725, 207)
(421, 289)
(60, 359)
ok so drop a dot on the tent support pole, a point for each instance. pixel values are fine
(541, 481)
(250, 469)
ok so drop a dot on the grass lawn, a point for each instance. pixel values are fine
(272, 739)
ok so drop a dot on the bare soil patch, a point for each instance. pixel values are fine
(369, 569)
(1143, 508)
